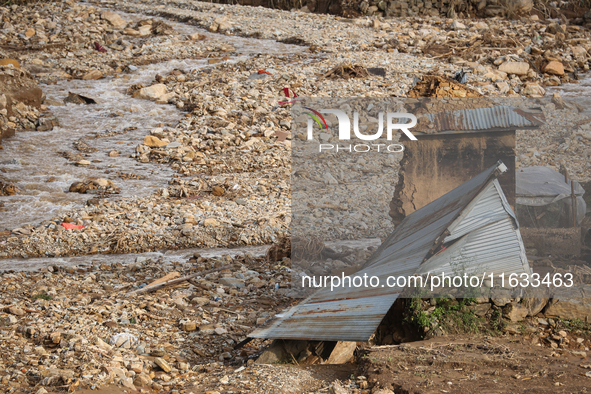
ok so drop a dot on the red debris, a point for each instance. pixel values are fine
(99, 47)
(264, 72)
(70, 226)
(287, 91)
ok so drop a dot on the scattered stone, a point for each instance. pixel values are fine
(151, 92)
(517, 68)
(114, 19)
(154, 142)
(93, 74)
(554, 67)
(515, 312)
(163, 364)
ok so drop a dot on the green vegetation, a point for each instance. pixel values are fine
(496, 322)
(42, 296)
(576, 325)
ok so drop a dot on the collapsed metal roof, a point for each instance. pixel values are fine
(497, 118)
(475, 215)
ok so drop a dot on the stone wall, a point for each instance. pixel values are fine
(397, 8)
(437, 164)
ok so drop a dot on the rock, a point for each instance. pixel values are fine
(30, 33)
(503, 87)
(83, 163)
(342, 353)
(154, 142)
(92, 75)
(515, 312)
(131, 32)
(136, 367)
(114, 19)
(151, 92)
(458, 26)
(274, 354)
(9, 320)
(579, 52)
(511, 328)
(197, 37)
(16, 311)
(517, 68)
(124, 340)
(519, 6)
(218, 191)
(383, 391)
(142, 380)
(162, 364)
(113, 153)
(101, 182)
(559, 101)
(500, 301)
(232, 282)
(480, 309)
(189, 326)
(220, 25)
(569, 309)
(554, 67)
(337, 388)
(145, 30)
(532, 89)
(220, 331)
(534, 305)
(5, 62)
(173, 145)
(47, 123)
(165, 98)
(210, 222)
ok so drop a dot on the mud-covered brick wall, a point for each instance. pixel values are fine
(436, 164)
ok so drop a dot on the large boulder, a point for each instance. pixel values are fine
(576, 308)
(517, 68)
(534, 305)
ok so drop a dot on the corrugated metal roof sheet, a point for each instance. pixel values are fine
(498, 118)
(353, 313)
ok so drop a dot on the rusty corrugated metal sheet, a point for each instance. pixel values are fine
(498, 118)
(353, 313)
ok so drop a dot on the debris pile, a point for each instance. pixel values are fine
(21, 102)
(346, 71)
(438, 86)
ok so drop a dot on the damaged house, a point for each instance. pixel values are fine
(459, 138)
(473, 226)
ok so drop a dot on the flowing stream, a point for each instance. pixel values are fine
(33, 161)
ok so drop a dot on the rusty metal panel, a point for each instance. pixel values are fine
(353, 313)
(342, 320)
(498, 118)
